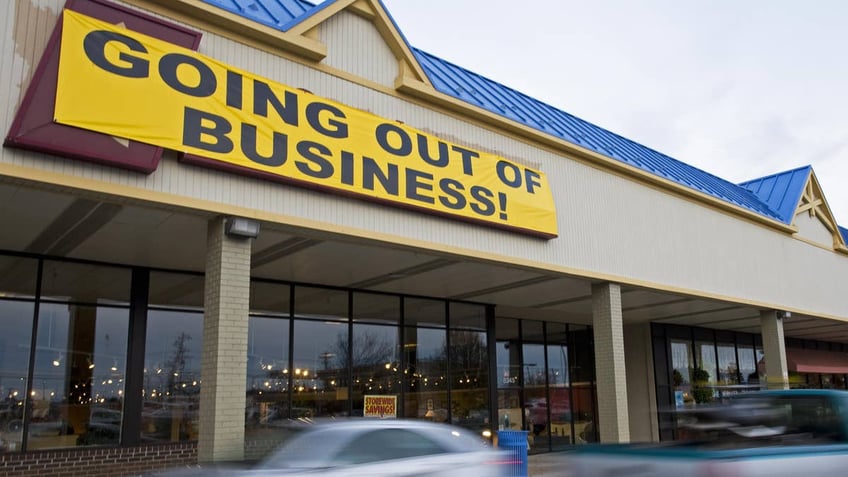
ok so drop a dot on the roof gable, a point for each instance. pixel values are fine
(781, 191)
(299, 18)
(796, 192)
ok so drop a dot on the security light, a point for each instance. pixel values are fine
(239, 227)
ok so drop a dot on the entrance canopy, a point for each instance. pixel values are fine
(816, 361)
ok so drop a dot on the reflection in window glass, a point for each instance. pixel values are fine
(760, 356)
(16, 323)
(319, 371)
(321, 303)
(267, 403)
(376, 308)
(508, 356)
(78, 380)
(172, 376)
(682, 365)
(582, 362)
(535, 396)
(18, 276)
(707, 359)
(747, 365)
(422, 312)
(176, 290)
(469, 370)
(728, 368)
(426, 373)
(82, 282)
(468, 316)
(270, 298)
(559, 387)
(376, 364)
(508, 353)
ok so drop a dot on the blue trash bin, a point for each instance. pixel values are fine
(516, 443)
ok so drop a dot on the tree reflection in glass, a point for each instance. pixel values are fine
(375, 363)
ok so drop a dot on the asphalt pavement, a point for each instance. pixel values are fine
(549, 464)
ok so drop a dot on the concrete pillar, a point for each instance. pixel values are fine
(774, 350)
(224, 363)
(610, 374)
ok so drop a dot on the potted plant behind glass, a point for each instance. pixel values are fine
(700, 386)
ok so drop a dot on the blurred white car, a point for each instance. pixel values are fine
(366, 447)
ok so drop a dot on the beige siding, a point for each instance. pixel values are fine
(355, 46)
(811, 228)
(609, 226)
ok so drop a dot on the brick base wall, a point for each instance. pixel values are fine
(98, 462)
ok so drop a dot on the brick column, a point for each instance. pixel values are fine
(774, 350)
(224, 363)
(613, 422)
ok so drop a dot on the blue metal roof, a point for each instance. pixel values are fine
(781, 191)
(278, 14)
(770, 197)
(844, 232)
(504, 101)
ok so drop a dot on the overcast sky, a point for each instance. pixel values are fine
(738, 88)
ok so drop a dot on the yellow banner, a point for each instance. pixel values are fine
(129, 85)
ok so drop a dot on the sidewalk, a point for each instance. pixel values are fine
(549, 464)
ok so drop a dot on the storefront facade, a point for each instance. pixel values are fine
(219, 225)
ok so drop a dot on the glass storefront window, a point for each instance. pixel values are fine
(508, 356)
(376, 308)
(376, 364)
(467, 316)
(270, 299)
(747, 365)
(172, 375)
(18, 276)
(16, 323)
(425, 375)
(707, 358)
(469, 370)
(582, 362)
(268, 368)
(682, 363)
(559, 387)
(728, 369)
(85, 283)
(319, 371)
(320, 303)
(423, 312)
(78, 380)
(267, 401)
(176, 291)
(535, 389)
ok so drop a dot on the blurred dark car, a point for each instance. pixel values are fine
(367, 447)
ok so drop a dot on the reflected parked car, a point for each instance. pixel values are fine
(369, 447)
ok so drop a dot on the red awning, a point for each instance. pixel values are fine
(816, 361)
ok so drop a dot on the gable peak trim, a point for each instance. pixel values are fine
(813, 203)
(376, 13)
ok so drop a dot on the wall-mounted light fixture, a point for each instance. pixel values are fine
(783, 315)
(239, 227)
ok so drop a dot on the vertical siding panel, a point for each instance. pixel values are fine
(354, 45)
